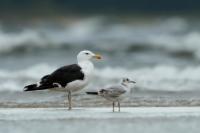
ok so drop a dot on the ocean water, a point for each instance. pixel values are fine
(161, 54)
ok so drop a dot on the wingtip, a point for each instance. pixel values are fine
(30, 87)
(92, 93)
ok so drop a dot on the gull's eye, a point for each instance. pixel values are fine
(127, 79)
(87, 53)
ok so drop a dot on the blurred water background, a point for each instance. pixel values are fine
(157, 44)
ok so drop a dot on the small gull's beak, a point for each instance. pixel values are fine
(97, 56)
(132, 82)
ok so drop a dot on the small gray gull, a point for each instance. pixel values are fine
(68, 78)
(115, 93)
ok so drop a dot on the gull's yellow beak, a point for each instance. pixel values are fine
(97, 56)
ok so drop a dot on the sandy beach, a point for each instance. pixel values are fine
(137, 120)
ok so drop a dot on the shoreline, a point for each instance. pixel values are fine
(97, 113)
(99, 102)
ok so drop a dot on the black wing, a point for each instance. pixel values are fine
(62, 76)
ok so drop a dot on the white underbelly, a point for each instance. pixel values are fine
(73, 86)
(76, 85)
(115, 99)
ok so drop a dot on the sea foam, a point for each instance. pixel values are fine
(158, 78)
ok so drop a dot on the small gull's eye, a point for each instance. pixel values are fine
(87, 53)
(124, 80)
(127, 79)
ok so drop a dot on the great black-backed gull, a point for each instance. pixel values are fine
(69, 78)
(115, 93)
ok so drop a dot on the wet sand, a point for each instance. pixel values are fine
(137, 120)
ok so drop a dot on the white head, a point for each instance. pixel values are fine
(87, 55)
(127, 82)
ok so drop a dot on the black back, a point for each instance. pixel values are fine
(63, 75)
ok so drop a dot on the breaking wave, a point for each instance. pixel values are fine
(159, 78)
(170, 35)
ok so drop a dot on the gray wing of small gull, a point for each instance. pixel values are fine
(112, 91)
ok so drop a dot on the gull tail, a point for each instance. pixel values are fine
(42, 85)
(92, 93)
(34, 87)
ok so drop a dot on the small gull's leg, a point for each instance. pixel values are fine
(113, 106)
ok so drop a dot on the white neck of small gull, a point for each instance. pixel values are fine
(126, 85)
